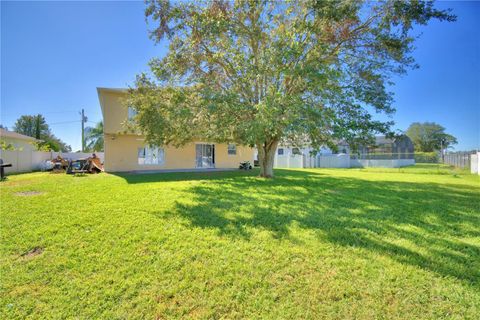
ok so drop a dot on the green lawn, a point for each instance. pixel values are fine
(310, 244)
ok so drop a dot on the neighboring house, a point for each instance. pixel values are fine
(400, 147)
(130, 152)
(17, 140)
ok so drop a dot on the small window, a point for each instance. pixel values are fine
(296, 151)
(141, 154)
(131, 113)
(151, 155)
(280, 151)
(232, 149)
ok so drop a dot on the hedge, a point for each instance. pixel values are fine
(426, 157)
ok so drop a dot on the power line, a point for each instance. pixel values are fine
(73, 121)
(95, 112)
(64, 122)
(42, 113)
(64, 111)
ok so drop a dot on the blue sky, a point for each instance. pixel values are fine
(55, 54)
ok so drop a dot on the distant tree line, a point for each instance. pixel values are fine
(36, 126)
(429, 137)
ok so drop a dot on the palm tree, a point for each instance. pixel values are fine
(94, 137)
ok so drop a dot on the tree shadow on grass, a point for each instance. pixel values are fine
(419, 224)
(135, 178)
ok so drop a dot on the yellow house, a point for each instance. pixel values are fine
(130, 152)
(17, 140)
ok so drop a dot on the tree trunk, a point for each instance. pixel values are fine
(266, 156)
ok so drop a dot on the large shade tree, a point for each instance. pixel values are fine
(36, 126)
(263, 72)
(32, 125)
(429, 136)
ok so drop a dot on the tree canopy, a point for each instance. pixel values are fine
(263, 72)
(36, 126)
(429, 136)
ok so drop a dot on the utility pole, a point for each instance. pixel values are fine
(83, 120)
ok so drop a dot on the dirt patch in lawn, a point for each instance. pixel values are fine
(28, 193)
(32, 253)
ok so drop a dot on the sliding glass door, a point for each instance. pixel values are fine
(205, 155)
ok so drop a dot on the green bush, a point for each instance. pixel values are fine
(426, 157)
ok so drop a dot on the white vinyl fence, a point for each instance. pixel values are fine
(27, 161)
(337, 161)
(475, 163)
(459, 159)
(381, 163)
(333, 161)
(288, 161)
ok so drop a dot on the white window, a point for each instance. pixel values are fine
(280, 151)
(131, 113)
(151, 155)
(232, 149)
(296, 151)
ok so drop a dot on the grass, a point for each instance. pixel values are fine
(310, 244)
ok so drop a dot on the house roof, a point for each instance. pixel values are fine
(383, 140)
(99, 89)
(15, 135)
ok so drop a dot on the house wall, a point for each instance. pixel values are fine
(224, 160)
(113, 110)
(121, 150)
(121, 154)
(19, 144)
